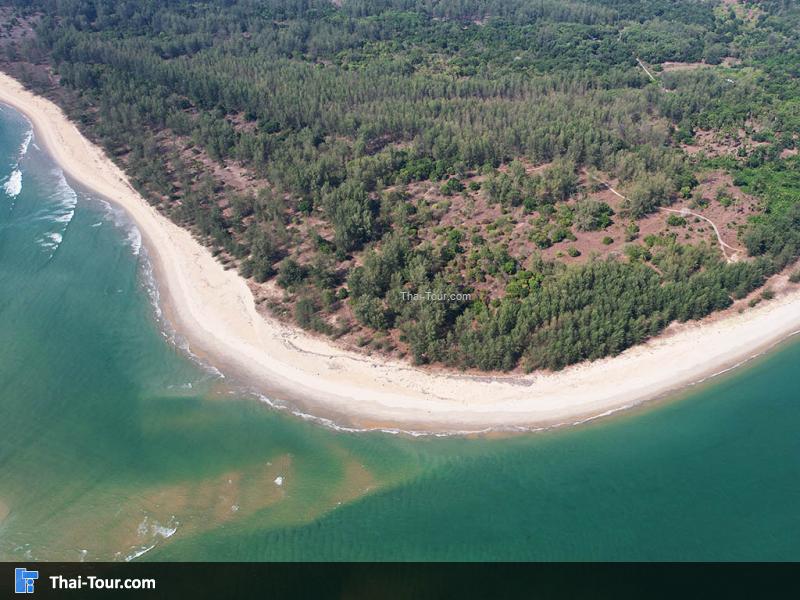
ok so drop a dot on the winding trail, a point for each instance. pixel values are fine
(723, 245)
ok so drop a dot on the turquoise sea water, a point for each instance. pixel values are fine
(115, 443)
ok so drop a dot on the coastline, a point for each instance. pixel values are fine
(215, 311)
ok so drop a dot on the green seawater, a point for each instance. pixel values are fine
(116, 444)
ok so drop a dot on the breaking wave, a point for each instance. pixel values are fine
(168, 332)
(121, 220)
(150, 531)
(135, 240)
(65, 200)
(23, 147)
(13, 185)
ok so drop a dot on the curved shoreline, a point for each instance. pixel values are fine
(215, 311)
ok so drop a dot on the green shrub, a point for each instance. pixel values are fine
(304, 312)
(676, 221)
(637, 252)
(291, 273)
(452, 186)
(591, 215)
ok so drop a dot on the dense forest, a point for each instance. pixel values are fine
(345, 155)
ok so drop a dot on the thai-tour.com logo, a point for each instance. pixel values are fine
(24, 580)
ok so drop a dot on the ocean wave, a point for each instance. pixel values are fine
(181, 386)
(121, 220)
(65, 196)
(168, 332)
(135, 240)
(51, 241)
(331, 424)
(164, 531)
(151, 531)
(23, 147)
(64, 218)
(151, 288)
(61, 215)
(416, 433)
(13, 186)
(139, 552)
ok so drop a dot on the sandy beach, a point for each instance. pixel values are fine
(215, 311)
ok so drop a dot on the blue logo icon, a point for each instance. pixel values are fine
(24, 580)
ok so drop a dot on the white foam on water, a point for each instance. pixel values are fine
(164, 531)
(168, 332)
(152, 528)
(151, 531)
(50, 241)
(279, 481)
(181, 386)
(143, 527)
(61, 215)
(13, 186)
(121, 220)
(66, 197)
(151, 287)
(23, 148)
(330, 424)
(137, 553)
(135, 240)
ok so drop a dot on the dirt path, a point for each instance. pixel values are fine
(723, 245)
(641, 64)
